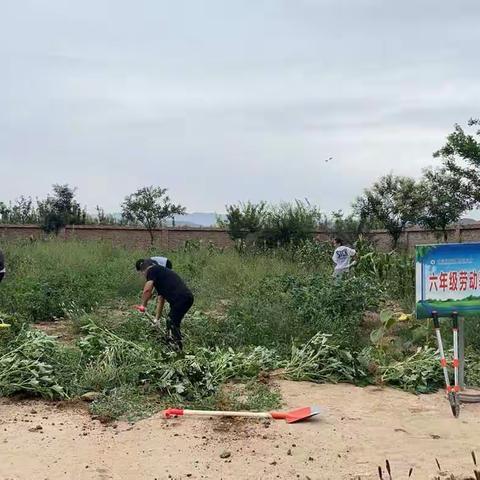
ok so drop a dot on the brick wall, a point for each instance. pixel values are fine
(172, 238)
(167, 239)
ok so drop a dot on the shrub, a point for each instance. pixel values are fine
(290, 224)
(273, 226)
(245, 221)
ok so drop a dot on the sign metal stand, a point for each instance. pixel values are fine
(461, 353)
(448, 285)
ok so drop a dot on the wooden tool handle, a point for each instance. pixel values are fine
(222, 413)
(173, 412)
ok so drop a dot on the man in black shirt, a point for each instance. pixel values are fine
(170, 287)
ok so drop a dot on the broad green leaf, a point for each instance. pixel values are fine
(377, 335)
(385, 316)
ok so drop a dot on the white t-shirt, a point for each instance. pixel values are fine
(162, 261)
(341, 257)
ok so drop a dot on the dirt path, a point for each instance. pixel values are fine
(359, 430)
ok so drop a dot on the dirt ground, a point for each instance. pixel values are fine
(359, 429)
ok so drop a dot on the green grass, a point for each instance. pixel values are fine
(445, 307)
(474, 302)
(46, 278)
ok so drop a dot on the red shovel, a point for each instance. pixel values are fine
(290, 417)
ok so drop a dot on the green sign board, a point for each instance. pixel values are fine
(448, 279)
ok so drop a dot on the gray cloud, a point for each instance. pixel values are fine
(225, 101)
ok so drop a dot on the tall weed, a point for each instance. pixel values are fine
(334, 308)
(43, 276)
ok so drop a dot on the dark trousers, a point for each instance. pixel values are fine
(1, 276)
(178, 310)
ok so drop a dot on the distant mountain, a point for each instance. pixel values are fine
(467, 221)
(198, 219)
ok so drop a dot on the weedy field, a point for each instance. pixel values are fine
(260, 317)
(255, 313)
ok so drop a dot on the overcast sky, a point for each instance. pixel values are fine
(227, 100)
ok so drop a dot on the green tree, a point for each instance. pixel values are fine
(4, 213)
(150, 206)
(287, 223)
(60, 209)
(461, 158)
(23, 211)
(103, 218)
(244, 221)
(291, 223)
(393, 202)
(443, 200)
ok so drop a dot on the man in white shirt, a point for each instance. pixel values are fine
(342, 258)
(161, 261)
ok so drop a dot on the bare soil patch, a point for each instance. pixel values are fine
(62, 330)
(358, 430)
